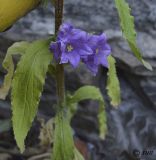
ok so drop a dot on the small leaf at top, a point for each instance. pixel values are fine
(128, 29)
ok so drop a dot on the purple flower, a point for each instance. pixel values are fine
(74, 45)
(90, 64)
(71, 45)
(55, 47)
(101, 50)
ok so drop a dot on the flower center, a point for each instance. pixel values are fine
(69, 47)
(97, 50)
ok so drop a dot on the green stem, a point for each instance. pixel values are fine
(60, 85)
(59, 67)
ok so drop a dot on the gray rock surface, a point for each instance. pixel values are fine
(133, 125)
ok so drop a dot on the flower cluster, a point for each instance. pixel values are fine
(74, 45)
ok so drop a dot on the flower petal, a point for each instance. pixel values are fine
(64, 59)
(74, 58)
(55, 48)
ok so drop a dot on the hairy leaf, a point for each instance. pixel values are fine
(27, 87)
(128, 29)
(113, 86)
(102, 120)
(8, 64)
(63, 139)
(86, 92)
(93, 93)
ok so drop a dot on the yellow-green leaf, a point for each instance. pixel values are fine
(128, 29)
(113, 86)
(12, 10)
(8, 64)
(78, 155)
(63, 139)
(93, 93)
(102, 118)
(27, 86)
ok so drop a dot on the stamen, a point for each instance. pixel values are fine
(97, 50)
(69, 48)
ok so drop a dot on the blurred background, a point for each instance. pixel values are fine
(131, 127)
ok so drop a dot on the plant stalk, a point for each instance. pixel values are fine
(59, 67)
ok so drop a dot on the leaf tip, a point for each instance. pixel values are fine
(147, 65)
(20, 145)
(116, 104)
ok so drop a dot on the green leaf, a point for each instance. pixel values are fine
(113, 86)
(72, 107)
(63, 139)
(78, 155)
(86, 92)
(45, 2)
(128, 29)
(52, 70)
(27, 86)
(8, 64)
(93, 93)
(102, 118)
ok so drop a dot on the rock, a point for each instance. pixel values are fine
(95, 16)
(128, 127)
(149, 88)
(126, 60)
(147, 44)
(4, 156)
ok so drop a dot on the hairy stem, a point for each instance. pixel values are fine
(59, 67)
(60, 84)
(58, 14)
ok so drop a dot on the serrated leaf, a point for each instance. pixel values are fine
(128, 29)
(8, 64)
(113, 85)
(86, 92)
(27, 86)
(102, 118)
(93, 93)
(63, 139)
